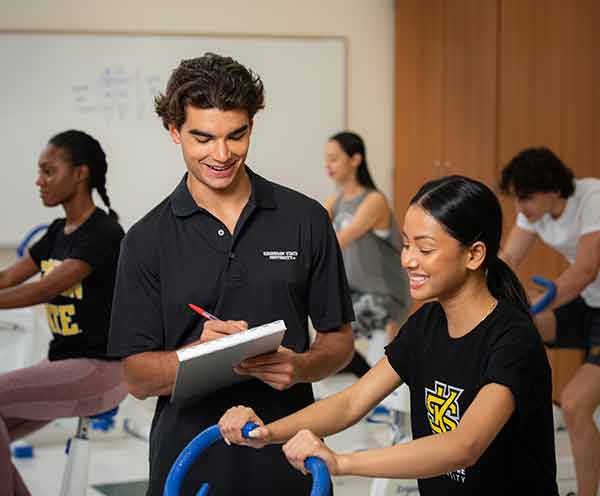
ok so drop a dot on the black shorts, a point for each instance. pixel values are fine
(578, 326)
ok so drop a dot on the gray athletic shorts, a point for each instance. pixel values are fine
(371, 312)
(578, 326)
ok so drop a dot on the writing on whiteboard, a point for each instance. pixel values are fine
(117, 94)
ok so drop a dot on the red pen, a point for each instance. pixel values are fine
(202, 312)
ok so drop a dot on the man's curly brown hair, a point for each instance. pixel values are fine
(536, 170)
(210, 81)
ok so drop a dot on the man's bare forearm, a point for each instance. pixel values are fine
(151, 373)
(571, 283)
(330, 353)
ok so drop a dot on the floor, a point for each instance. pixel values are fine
(118, 458)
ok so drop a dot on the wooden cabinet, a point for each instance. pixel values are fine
(470, 88)
(419, 97)
(446, 92)
(479, 80)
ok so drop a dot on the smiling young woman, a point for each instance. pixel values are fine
(479, 378)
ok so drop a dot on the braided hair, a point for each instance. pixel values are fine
(83, 149)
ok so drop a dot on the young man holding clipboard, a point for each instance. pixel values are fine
(245, 249)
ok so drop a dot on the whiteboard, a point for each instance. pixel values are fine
(105, 84)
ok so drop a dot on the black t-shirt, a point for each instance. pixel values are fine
(445, 374)
(79, 317)
(282, 262)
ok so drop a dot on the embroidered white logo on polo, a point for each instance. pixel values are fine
(280, 255)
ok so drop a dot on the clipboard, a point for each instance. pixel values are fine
(207, 367)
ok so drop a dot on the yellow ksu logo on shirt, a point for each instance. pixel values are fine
(60, 317)
(443, 410)
(443, 413)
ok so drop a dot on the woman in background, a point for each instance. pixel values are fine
(77, 258)
(370, 242)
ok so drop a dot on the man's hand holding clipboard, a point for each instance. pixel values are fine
(209, 364)
(280, 369)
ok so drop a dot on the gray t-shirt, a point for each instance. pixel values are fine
(373, 261)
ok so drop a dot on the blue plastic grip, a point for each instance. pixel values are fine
(203, 490)
(23, 450)
(104, 421)
(249, 427)
(321, 481)
(548, 296)
(317, 467)
(28, 237)
(187, 456)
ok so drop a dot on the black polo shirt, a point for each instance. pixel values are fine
(282, 262)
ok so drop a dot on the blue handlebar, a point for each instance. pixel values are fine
(317, 467)
(548, 296)
(320, 474)
(249, 427)
(28, 237)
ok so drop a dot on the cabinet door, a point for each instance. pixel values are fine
(580, 86)
(419, 79)
(529, 102)
(470, 88)
(446, 91)
(446, 99)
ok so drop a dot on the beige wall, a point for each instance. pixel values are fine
(368, 26)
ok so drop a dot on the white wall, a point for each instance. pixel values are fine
(368, 26)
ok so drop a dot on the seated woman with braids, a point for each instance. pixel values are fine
(77, 258)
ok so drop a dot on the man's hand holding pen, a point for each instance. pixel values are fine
(280, 370)
(215, 329)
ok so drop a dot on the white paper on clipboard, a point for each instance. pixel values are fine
(207, 367)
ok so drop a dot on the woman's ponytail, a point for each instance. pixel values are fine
(504, 284)
(352, 144)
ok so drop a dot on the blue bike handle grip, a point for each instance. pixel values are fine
(23, 244)
(317, 467)
(320, 474)
(548, 296)
(250, 426)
